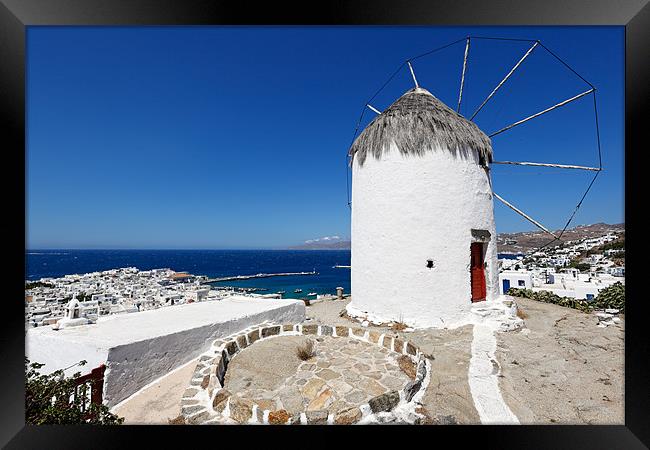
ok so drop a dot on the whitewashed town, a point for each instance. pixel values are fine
(576, 269)
(79, 299)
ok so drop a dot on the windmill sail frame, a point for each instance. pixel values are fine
(536, 43)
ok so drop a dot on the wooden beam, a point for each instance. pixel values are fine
(559, 166)
(504, 79)
(525, 216)
(462, 77)
(542, 112)
(373, 109)
(413, 74)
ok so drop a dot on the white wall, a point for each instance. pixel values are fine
(576, 290)
(141, 347)
(582, 289)
(406, 210)
(56, 353)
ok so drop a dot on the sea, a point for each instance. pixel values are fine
(211, 263)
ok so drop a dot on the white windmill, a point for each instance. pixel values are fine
(423, 233)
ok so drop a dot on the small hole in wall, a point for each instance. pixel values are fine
(430, 263)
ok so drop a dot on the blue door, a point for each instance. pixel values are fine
(506, 285)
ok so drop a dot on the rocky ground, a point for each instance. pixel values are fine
(562, 368)
(343, 373)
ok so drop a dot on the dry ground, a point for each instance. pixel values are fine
(561, 368)
(159, 402)
(564, 369)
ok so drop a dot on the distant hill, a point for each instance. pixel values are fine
(506, 242)
(530, 240)
(325, 243)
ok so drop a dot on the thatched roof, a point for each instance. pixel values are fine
(418, 122)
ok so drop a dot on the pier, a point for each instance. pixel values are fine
(259, 275)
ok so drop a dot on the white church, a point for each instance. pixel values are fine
(423, 234)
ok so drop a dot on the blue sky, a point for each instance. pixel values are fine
(235, 137)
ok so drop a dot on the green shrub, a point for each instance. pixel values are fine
(582, 267)
(550, 297)
(43, 391)
(611, 297)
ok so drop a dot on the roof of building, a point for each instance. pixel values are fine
(418, 122)
(180, 275)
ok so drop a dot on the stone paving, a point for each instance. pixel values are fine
(345, 372)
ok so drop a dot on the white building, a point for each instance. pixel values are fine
(571, 283)
(423, 233)
(618, 271)
(197, 295)
(515, 279)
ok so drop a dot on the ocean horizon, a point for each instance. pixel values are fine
(54, 263)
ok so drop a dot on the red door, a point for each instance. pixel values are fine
(477, 273)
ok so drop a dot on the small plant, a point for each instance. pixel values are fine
(306, 351)
(399, 325)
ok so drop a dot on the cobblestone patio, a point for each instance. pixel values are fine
(348, 378)
(345, 372)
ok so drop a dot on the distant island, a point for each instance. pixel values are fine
(506, 242)
(324, 243)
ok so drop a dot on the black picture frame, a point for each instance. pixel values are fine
(16, 15)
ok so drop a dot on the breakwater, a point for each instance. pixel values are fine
(259, 275)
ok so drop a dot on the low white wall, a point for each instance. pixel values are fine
(133, 366)
(138, 348)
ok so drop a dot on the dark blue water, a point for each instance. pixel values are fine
(509, 255)
(213, 263)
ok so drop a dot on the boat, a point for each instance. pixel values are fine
(298, 291)
(311, 294)
(281, 292)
